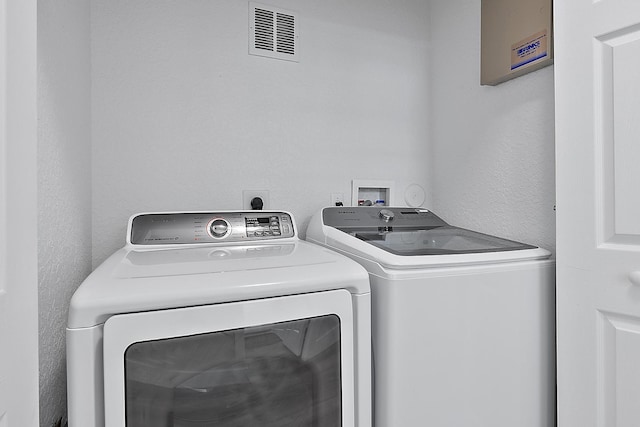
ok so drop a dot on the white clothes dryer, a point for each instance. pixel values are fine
(220, 318)
(463, 322)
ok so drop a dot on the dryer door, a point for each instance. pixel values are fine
(276, 362)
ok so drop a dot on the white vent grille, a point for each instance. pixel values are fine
(273, 32)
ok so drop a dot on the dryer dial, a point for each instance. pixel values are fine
(218, 228)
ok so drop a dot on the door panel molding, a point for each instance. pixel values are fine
(617, 153)
(618, 375)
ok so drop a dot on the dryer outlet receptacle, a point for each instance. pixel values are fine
(337, 199)
(249, 195)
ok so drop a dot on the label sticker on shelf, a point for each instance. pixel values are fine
(529, 50)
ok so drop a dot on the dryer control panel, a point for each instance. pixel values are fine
(181, 228)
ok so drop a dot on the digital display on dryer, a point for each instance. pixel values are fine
(263, 226)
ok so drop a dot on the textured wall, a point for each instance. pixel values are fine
(183, 118)
(492, 148)
(64, 184)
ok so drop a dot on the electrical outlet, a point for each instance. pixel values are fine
(248, 195)
(337, 199)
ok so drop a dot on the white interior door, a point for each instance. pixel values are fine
(18, 215)
(597, 66)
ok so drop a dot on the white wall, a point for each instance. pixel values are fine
(64, 184)
(173, 114)
(183, 118)
(492, 148)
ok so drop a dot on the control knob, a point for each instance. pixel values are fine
(218, 228)
(386, 215)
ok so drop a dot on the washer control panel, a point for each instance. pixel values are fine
(373, 217)
(209, 227)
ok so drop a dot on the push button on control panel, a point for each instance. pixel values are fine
(271, 226)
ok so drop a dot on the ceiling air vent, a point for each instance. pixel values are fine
(273, 32)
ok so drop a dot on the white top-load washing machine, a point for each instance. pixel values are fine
(463, 322)
(220, 319)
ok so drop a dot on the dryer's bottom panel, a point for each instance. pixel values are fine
(278, 375)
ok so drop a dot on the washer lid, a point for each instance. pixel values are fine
(413, 232)
(444, 240)
(411, 238)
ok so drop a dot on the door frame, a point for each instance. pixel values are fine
(19, 374)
